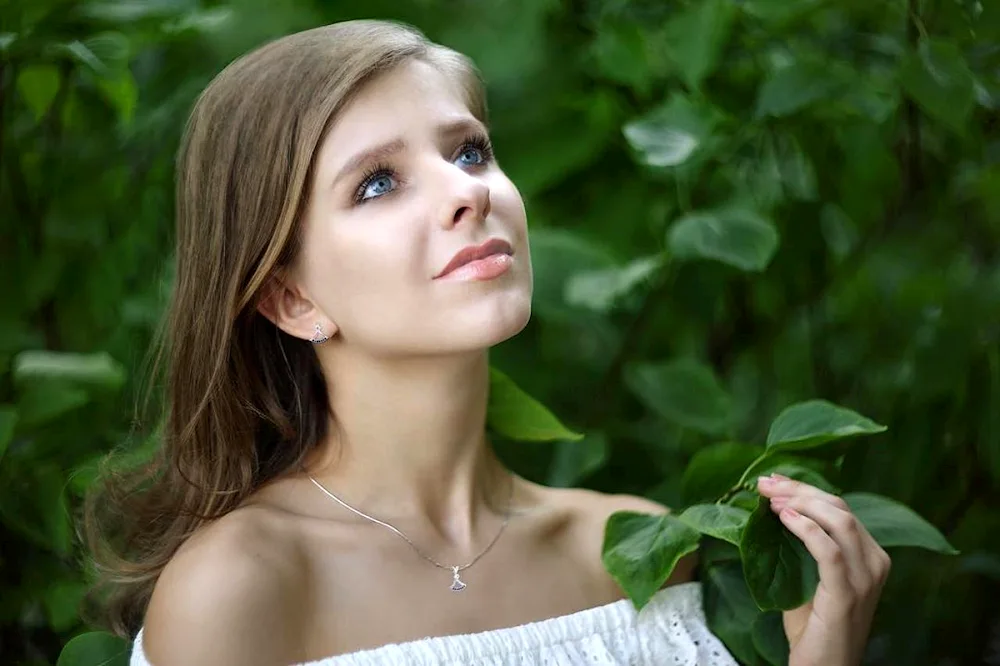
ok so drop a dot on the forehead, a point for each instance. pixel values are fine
(412, 95)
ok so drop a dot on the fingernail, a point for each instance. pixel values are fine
(765, 481)
(779, 477)
(790, 512)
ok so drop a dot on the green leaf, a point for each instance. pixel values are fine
(938, 78)
(62, 603)
(670, 135)
(8, 420)
(696, 37)
(112, 49)
(97, 370)
(600, 289)
(779, 571)
(620, 54)
(127, 11)
(78, 51)
(515, 414)
(794, 467)
(575, 461)
(794, 87)
(738, 237)
(38, 85)
(798, 175)
(730, 611)
(122, 93)
(640, 551)
(715, 469)
(895, 524)
(34, 504)
(717, 520)
(769, 638)
(96, 648)
(204, 21)
(684, 391)
(41, 404)
(556, 254)
(778, 13)
(809, 424)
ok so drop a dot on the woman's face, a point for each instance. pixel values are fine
(404, 180)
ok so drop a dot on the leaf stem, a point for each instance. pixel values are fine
(743, 480)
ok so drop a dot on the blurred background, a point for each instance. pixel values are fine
(734, 205)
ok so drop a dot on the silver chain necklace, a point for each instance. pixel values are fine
(457, 584)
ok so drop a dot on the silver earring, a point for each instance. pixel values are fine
(319, 336)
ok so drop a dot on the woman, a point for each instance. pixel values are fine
(348, 251)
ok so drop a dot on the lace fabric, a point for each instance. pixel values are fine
(669, 631)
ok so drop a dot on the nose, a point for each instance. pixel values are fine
(468, 199)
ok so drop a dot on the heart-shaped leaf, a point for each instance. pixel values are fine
(717, 520)
(95, 648)
(779, 571)
(795, 87)
(769, 638)
(669, 135)
(515, 414)
(809, 424)
(894, 524)
(715, 469)
(600, 289)
(640, 551)
(738, 237)
(731, 612)
(696, 36)
(799, 468)
(97, 370)
(684, 391)
(557, 254)
(574, 461)
(37, 85)
(937, 77)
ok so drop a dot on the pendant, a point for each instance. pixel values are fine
(456, 584)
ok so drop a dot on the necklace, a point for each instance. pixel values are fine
(457, 584)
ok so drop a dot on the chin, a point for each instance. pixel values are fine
(489, 325)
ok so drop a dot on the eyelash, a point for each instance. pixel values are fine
(480, 142)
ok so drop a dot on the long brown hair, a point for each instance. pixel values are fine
(243, 402)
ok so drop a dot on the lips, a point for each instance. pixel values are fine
(474, 252)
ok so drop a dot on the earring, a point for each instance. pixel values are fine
(319, 336)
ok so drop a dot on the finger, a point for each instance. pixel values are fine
(879, 562)
(826, 552)
(777, 485)
(844, 529)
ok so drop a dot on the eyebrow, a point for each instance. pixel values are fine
(389, 148)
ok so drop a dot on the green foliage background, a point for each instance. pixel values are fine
(735, 205)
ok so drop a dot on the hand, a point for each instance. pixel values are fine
(832, 628)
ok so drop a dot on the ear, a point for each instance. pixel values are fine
(284, 304)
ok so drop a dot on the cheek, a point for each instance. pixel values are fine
(508, 205)
(369, 259)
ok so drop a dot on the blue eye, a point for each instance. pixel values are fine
(375, 186)
(471, 156)
(475, 151)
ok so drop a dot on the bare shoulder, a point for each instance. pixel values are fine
(226, 596)
(594, 508)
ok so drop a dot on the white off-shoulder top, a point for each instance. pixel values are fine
(669, 631)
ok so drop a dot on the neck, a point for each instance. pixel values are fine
(408, 446)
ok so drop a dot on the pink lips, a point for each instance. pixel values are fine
(490, 259)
